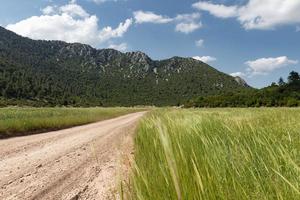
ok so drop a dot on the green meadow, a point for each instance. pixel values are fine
(15, 121)
(216, 154)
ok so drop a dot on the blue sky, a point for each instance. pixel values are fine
(258, 40)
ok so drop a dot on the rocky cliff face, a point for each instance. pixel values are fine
(241, 81)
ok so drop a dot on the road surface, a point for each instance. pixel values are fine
(84, 162)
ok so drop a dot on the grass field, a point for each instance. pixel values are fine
(23, 121)
(218, 154)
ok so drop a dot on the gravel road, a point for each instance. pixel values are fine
(84, 162)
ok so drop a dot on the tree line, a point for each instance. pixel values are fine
(280, 94)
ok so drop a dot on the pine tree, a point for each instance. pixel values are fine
(293, 77)
(281, 82)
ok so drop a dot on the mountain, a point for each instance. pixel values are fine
(59, 73)
(241, 81)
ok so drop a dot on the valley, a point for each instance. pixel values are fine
(149, 100)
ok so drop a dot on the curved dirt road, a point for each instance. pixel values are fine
(84, 162)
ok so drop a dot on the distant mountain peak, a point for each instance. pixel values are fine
(78, 49)
(138, 56)
(106, 55)
(241, 81)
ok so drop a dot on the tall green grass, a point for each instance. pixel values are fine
(218, 154)
(16, 121)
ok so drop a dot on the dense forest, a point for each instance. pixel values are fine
(51, 73)
(278, 94)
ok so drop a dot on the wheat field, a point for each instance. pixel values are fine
(217, 154)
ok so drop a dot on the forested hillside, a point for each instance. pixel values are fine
(276, 95)
(59, 73)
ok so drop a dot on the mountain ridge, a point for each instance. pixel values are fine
(61, 73)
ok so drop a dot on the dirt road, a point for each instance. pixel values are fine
(84, 162)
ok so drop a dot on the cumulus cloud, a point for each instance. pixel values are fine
(267, 65)
(187, 27)
(108, 32)
(264, 66)
(199, 43)
(257, 14)
(188, 17)
(73, 10)
(217, 10)
(150, 17)
(70, 23)
(120, 47)
(48, 10)
(185, 23)
(205, 59)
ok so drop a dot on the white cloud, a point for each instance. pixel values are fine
(188, 23)
(217, 10)
(257, 14)
(48, 10)
(264, 66)
(70, 23)
(199, 43)
(205, 59)
(188, 27)
(239, 74)
(185, 23)
(120, 47)
(150, 17)
(108, 32)
(187, 17)
(73, 10)
(267, 65)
